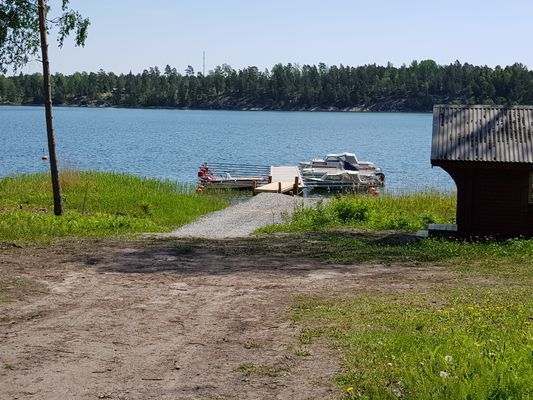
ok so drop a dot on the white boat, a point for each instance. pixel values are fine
(337, 163)
(347, 161)
(231, 176)
(345, 178)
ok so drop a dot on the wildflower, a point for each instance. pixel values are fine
(448, 358)
(389, 364)
(444, 374)
(349, 389)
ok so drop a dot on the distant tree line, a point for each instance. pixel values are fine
(285, 87)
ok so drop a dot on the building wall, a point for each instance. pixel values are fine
(493, 201)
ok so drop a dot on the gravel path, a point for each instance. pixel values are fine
(243, 218)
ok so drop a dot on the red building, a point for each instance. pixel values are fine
(488, 151)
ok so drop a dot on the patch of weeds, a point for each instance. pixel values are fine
(251, 345)
(309, 335)
(262, 370)
(348, 210)
(302, 353)
(8, 366)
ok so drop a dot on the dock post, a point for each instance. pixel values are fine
(270, 179)
(279, 187)
(254, 185)
(295, 188)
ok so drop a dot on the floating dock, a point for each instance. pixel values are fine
(282, 179)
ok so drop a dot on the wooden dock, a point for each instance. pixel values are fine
(282, 179)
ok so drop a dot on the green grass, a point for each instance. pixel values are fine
(477, 346)
(409, 211)
(467, 337)
(97, 204)
(503, 257)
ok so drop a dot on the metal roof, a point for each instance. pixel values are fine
(482, 133)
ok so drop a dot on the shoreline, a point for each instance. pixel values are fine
(247, 109)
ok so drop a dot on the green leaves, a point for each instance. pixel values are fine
(19, 30)
(72, 21)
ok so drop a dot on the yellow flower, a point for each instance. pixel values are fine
(349, 389)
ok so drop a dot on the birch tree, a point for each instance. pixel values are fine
(24, 28)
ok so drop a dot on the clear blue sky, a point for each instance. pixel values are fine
(136, 34)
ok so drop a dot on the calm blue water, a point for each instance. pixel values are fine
(173, 143)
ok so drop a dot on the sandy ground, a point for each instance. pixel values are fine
(155, 319)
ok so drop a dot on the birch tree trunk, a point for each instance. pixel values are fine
(56, 187)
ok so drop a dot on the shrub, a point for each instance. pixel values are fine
(350, 210)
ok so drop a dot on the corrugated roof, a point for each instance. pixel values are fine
(482, 133)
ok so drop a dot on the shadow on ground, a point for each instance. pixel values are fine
(288, 252)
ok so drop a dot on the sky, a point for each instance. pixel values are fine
(136, 34)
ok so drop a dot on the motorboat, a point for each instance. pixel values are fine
(347, 161)
(333, 165)
(346, 178)
(231, 176)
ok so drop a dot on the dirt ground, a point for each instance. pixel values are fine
(158, 319)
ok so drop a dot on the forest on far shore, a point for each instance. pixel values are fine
(416, 87)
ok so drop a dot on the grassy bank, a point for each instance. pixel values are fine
(409, 212)
(97, 205)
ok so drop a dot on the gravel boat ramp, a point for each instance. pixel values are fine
(242, 219)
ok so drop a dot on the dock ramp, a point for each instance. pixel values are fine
(282, 179)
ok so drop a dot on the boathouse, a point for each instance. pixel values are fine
(488, 151)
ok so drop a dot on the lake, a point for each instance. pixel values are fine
(172, 144)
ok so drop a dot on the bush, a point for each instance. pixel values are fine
(350, 210)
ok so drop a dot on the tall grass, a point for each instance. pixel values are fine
(97, 204)
(405, 211)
